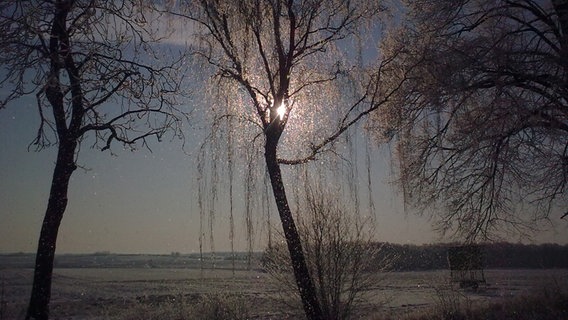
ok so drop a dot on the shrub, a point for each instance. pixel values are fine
(548, 303)
(340, 253)
(204, 307)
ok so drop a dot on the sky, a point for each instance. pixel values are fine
(134, 202)
(146, 202)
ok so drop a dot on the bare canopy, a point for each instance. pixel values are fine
(482, 125)
(92, 67)
(287, 83)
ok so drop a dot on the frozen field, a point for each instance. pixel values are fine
(105, 293)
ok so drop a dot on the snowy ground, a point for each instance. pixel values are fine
(104, 293)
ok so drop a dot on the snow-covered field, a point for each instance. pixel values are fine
(106, 293)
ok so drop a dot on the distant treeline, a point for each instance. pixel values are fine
(495, 256)
(398, 258)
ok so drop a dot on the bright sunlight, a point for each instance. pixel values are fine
(281, 111)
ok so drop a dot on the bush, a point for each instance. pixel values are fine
(548, 303)
(204, 307)
(340, 253)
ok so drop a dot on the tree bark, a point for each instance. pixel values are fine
(41, 290)
(301, 272)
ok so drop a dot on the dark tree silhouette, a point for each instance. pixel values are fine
(482, 125)
(288, 71)
(89, 64)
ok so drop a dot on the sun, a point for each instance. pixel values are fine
(281, 111)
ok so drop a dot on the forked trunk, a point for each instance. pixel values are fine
(41, 290)
(301, 273)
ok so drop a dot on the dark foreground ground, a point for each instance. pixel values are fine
(163, 287)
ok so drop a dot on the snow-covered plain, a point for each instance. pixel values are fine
(113, 292)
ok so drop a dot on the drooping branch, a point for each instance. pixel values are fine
(373, 98)
(481, 125)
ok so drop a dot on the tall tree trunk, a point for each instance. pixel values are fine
(301, 272)
(41, 290)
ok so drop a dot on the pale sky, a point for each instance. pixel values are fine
(131, 202)
(142, 202)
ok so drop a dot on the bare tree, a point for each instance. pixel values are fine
(290, 83)
(482, 124)
(93, 70)
(340, 254)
